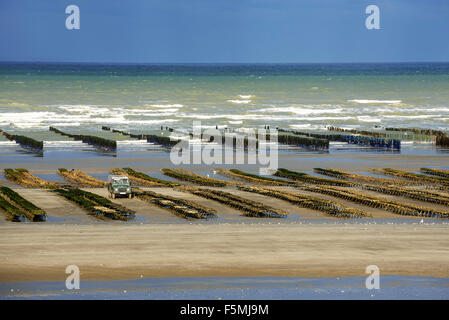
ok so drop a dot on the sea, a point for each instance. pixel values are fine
(143, 97)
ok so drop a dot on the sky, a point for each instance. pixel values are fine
(226, 31)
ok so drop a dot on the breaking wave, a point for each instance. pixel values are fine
(246, 101)
(366, 101)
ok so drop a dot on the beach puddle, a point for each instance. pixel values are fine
(54, 219)
(391, 287)
(53, 177)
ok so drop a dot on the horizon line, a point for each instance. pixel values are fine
(205, 63)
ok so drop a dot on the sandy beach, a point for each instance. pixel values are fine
(41, 252)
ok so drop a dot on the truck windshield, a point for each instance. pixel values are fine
(120, 181)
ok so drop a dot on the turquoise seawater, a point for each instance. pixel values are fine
(143, 97)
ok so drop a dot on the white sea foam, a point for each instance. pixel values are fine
(146, 112)
(77, 115)
(84, 109)
(176, 105)
(60, 142)
(26, 119)
(422, 116)
(367, 101)
(246, 96)
(89, 111)
(63, 143)
(205, 126)
(161, 112)
(264, 117)
(323, 118)
(393, 111)
(438, 109)
(307, 126)
(217, 116)
(368, 119)
(299, 110)
(66, 124)
(246, 101)
(131, 142)
(7, 143)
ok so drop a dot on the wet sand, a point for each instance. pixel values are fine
(41, 252)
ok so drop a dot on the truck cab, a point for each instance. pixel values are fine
(119, 186)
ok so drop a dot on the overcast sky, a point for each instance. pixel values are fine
(224, 31)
